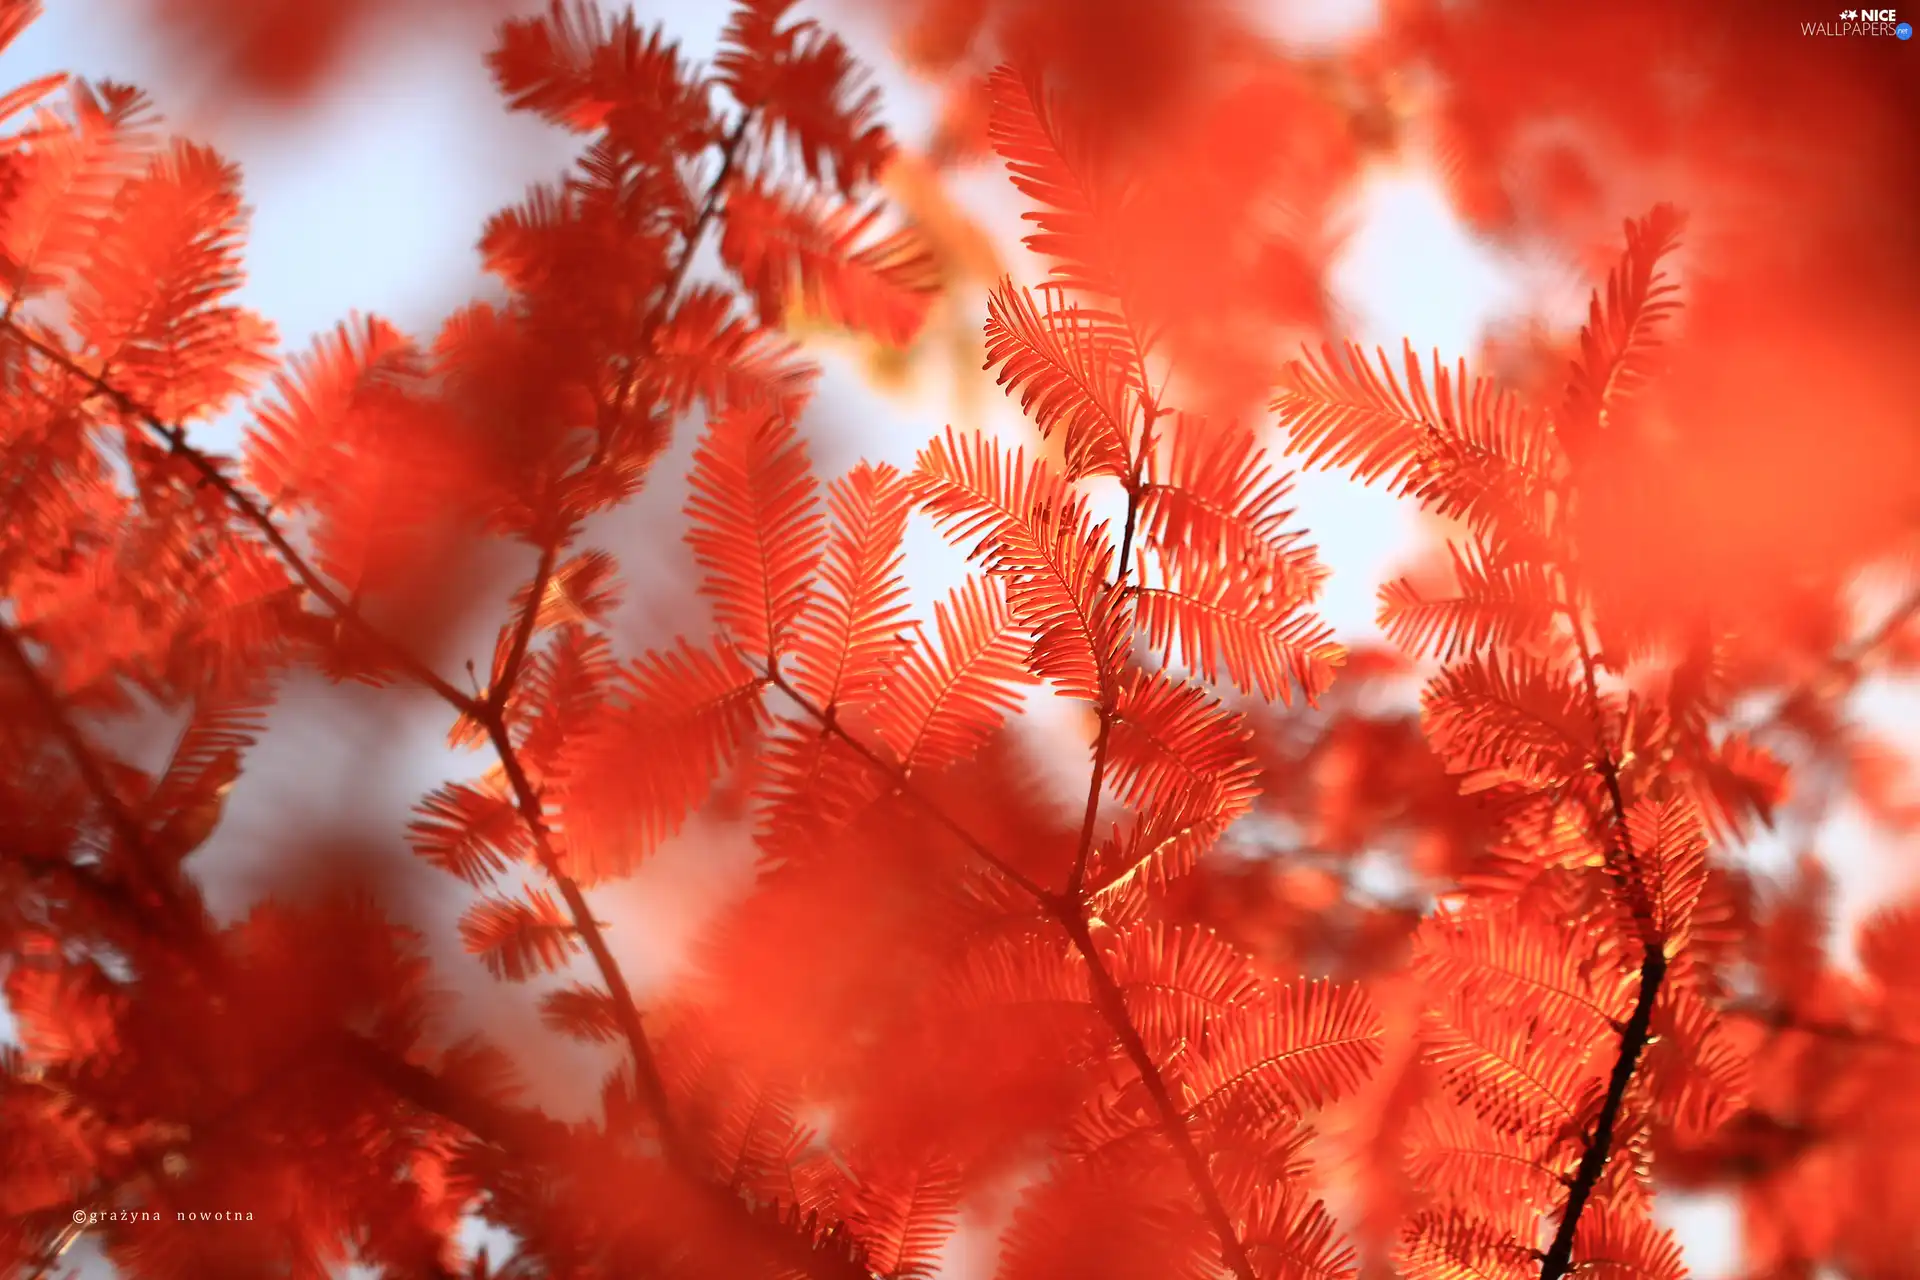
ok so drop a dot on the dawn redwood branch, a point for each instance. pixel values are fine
(1847, 664)
(1593, 1161)
(255, 515)
(156, 890)
(1111, 1004)
(1077, 878)
(502, 686)
(492, 710)
(709, 209)
(1070, 910)
(488, 711)
(1634, 1037)
(677, 274)
(901, 783)
(530, 1136)
(485, 713)
(1621, 868)
(626, 1012)
(1071, 913)
(1083, 848)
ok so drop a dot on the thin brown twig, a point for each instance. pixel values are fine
(1069, 909)
(709, 209)
(1841, 670)
(1083, 850)
(626, 1010)
(527, 800)
(831, 724)
(1638, 1031)
(1071, 913)
(1634, 1038)
(487, 712)
(531, 1135)
(256, 515)
(501, 687)
(1109, 1001)
(677, 274)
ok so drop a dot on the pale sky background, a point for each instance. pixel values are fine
(373, 201)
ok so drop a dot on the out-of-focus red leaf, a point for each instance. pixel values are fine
(288, 51)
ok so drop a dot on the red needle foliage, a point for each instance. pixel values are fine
(1303, 977)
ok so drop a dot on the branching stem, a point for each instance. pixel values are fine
(1635, 1036)
(502, 687)
(626, 1012)
(1111, 1002)
(1083, 851)
(488, 712)
(830, 723)
(255, 515)
(533, 1137)
(1069, 912)
(1593, 1161)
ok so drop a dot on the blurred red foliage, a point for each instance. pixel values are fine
(1800, 448)
(1469, 976)
(289, 51)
